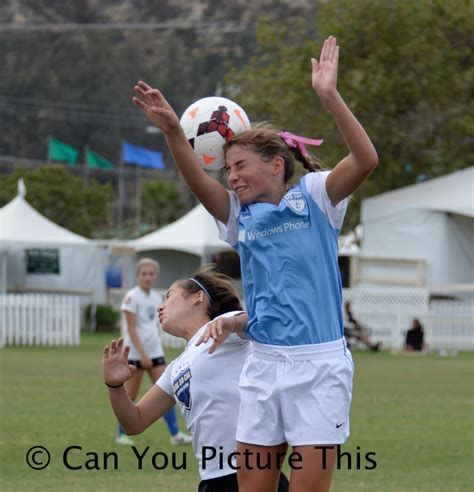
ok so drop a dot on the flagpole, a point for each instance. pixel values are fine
(120, 198)
(86, 167)
(48, 159)
(138, 187)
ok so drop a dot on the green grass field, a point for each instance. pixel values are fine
(414, 412)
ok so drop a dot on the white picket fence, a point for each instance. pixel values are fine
(387, 314)
(39, 319)
(450, 325)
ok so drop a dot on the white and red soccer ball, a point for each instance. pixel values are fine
(208, 124)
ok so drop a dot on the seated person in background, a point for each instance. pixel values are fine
(415, 337)
(353, 329)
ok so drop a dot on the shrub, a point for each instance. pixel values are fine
(106, 317)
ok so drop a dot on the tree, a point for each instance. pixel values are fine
(44, 91)
(405, 71)
(60, 196)
(161, 203)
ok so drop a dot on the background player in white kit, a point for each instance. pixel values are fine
(205, 386)
(140, 331)
(296, 386)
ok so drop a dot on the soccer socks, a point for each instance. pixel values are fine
(120, 430)
(171, 421)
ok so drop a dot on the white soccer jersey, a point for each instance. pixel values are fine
(206, 388)
(144, 306)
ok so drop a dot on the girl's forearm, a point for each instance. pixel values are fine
(356, 138)
(210, 192)
(127, 413)
(241, 321)
(186, 160)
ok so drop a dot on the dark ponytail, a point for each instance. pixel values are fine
(217, 287)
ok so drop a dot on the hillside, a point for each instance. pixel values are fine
(63, 77)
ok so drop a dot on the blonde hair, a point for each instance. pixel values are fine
(263, 139)
(147, 261)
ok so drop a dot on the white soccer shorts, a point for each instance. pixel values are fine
(300, 395)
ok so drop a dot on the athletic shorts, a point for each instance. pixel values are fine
(228, 483)
(300, 395)
(159, 361)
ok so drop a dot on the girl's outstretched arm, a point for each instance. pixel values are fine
(134, 418)
(362, 159)
(208, 190)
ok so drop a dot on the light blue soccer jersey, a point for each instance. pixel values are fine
(289, 261)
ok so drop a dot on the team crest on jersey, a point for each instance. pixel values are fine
(295, 200)
(151, 311)
(182, 387)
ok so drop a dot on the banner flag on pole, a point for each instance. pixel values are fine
(131, 154)
(59, 151)
(96, 160)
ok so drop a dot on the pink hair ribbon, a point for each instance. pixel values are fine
(294, 141)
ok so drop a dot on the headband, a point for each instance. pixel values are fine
(294, 141)
(202, 288)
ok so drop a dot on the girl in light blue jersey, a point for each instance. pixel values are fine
(296, 385)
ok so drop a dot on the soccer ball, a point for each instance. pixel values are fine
(208, 124)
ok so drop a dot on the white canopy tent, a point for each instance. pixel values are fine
(39, 255)
(184, 245)
(431, 221)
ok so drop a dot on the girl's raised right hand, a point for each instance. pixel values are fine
(156, 107)
(115, 366)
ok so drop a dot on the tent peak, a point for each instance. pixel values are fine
(21, 188)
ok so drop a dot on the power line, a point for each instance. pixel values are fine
(79, 119)
(63, 105)
(70, 112)
(220, 26)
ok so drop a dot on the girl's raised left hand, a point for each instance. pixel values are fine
(324, 76)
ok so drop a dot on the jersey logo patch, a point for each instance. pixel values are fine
(296, 201)
(182, 387)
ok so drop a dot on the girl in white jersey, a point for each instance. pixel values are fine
(140, 331)
(296, 385)
(210, 410)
